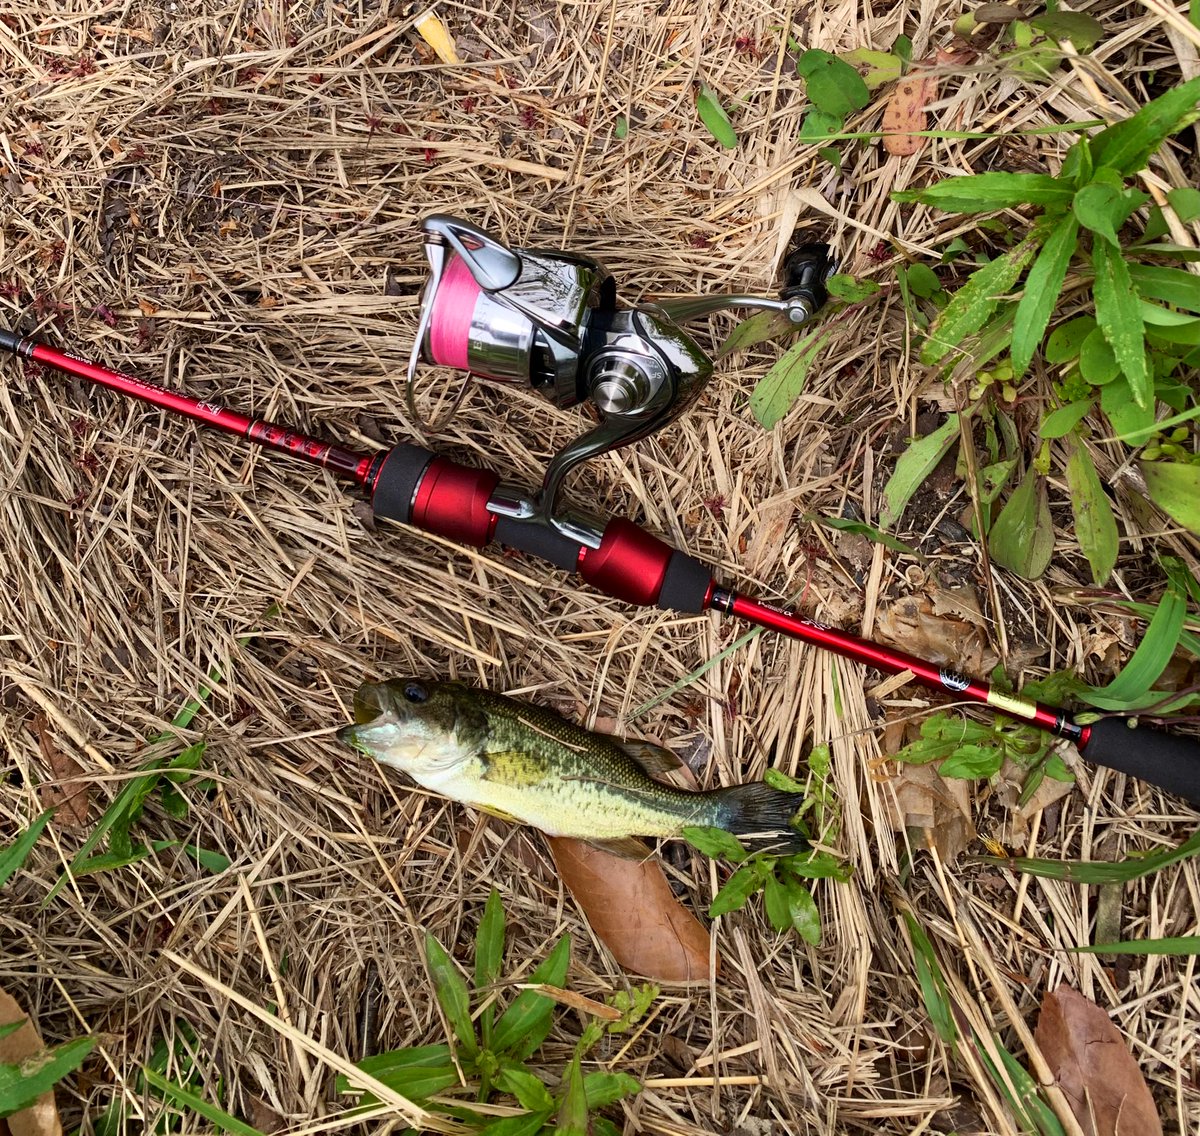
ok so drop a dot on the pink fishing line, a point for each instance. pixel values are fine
(450, 320)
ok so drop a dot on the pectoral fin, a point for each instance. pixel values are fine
(652, 758)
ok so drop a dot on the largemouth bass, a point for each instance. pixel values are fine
(528, 764)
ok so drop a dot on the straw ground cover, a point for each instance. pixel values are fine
(225, 197)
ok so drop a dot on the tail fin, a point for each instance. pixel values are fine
(762, 813)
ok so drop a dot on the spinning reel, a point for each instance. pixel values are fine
(550, 321)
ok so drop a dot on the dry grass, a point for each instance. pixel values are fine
(235, 188)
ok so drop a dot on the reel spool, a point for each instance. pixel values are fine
(550, 321)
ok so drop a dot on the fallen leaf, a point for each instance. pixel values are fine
(938, 808)
(1094, 1068)
(905, 114)
(631, 908)
(434, 33)
(774, 518)
(957, 640)
(40, 1118)
(1008, 785)
(147, 307)
(66, 791)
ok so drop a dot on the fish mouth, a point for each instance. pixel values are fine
(371, 710)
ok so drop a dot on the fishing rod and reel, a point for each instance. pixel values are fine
(550, 320)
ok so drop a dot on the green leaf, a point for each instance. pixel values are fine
(13, 858)
(755, 329)
(11, 1028)
(524, 1025)
(971, 305)
(1120, 319)
(801, 909)
(528, 1124)
(969, 762)
(1022, 537)
(713, 115)
(851, 289)
(779, 387)
(529, 1091)
(398, 1063)
(1126, 416)
(1175, 488)
(914, 466)
(858, 528)
(923, 281)
(1066, 340)
(452, 994)
(1153, 653)
(1099, 871)
(816, 866)
(933, 985)
(777, 779)
(489, 942)
(21, 1085)
(197, 1104)
(875, 67)
(1042, 286)
(1082, 30)
(572, 1109)
(1186, 203)
(1062, 421)
(715, 843)
(1183, 945)
(739, 888)
(1104, 207)
(984, 193)
(820, 127)
(834, 87)
(1126, 146)
(1097, 363)
(775, 901)
(603, 1089)
(1095, 526)
(621, 127)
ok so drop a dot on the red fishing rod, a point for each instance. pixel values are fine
(417, 487)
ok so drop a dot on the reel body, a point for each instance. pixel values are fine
(550, 320)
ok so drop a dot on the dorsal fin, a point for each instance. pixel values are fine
(654, 759)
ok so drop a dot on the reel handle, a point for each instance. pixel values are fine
(417, 487)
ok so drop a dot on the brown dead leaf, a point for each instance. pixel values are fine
(774, 517)
(575, 1000)
(66, 791)
(147, 307)
(1008, 786)
(910, 623)
(1094, 1068)
(41, 1117)
(938, 808)
(630, 906)
(905, 114)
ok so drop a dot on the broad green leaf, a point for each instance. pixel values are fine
(821, 127)
(528, 1124)
(779, 387)
(13, 858)
(1183, 945)
(816, 866)
(1126, 146)
(1066, 340)
(913, 466)
(1099, 871)
(1154, 651)
(621, 127)
(1186, 203)
(775, 901)
(923, 281)
(802, 911)
(1022, 537)
(1120, 319)
(713, 115)
(384, 1066)
(739, 888)
(970, 762)
(715, 843)
(933, 985)
(984, 193)
(489, 942)
(1104, 207)
(1042, 286)
(1062, 421)
(971, 305)
(572, 1110)
(452, 995)
(851, 289)
(777, 779)
(603, 1089)
(834, 87)
(756, 329)
(1124, 412)
(1095, 526)
(21, 1085)
(1097, 363)
(1082, 30)
(529, 1091)
(1163, 333)
(1175, 488)
(875, 67)
(1077, 165)
(845, 524)
(524, 1025)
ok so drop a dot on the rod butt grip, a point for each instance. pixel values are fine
(1170, 761)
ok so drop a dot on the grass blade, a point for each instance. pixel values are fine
(1183, 945)
(913, 466)
(21, 1085)
(177, 1094)
(933, 985)
(1098, 871)
(14, 856)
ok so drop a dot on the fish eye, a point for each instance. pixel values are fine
(415, 692)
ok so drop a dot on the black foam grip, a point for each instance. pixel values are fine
(539, 540)
(397, 481)
(9, 340)
(686, 584)
(1170, 761)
